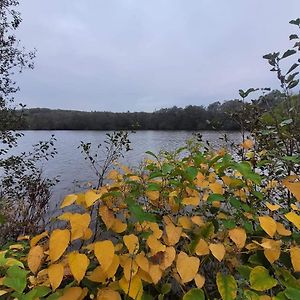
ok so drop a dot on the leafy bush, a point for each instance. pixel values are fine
(194, 224)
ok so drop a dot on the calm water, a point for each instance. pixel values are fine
(70, 165)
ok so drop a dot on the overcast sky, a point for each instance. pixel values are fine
(142, 55)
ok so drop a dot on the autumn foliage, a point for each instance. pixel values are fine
(192, 224)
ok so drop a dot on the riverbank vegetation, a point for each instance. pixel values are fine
(204, 226)
(216, 116)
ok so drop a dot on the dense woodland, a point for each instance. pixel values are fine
(216, 116)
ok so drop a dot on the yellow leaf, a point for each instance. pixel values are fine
(72, 293)
(78, 264)
(268, 225)
(23, 237)
(80, 199)
(104, 251)
(3, 292)
(272, 207)
(295, 258)
(155, 229)
(169, 257)
(216, 188)
(238, 236)
(294, 207)
(199, 280)
(227, 286)
(132, 243)
(55, 274)
(97, 275)
(155, 245)
(70, 199)
(65, 216)
(108, 294)
(187, 267)
(282, 230)
(113, 175)
(247, 144)
(197, 220)
(37, 238)
(118, 226)
(91, 197)
(293, 186)
(273, 253)
(88, 233)
(16, 247)
(112, 269)
(107, 216)
(173, 234)
(144, 276)
(79, 225)
(130, 268)
(191, 201)
(134, 288)
(155, 273)
(294, 218)
(217, 250)
(152, 195)
(35, 257)
(58, 243)
(185, 222)
(227, 180)
(202, 248)
(142, 261)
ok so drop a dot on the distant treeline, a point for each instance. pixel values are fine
(216, 116)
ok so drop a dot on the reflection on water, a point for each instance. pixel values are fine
(70, 165)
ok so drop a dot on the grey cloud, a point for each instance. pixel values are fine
(124, 55)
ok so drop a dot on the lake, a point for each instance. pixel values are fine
(69, 163)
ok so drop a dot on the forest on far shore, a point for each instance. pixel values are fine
(216, 116)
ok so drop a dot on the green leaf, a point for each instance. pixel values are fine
(292, 293)
(153, 186)
(259, 195)
(260, 280)
(286, 122)
(167, 168)
(295, 22)
(191, 173)
(138, 212)
(295, 158)
(280, 296)
(236, 203)
(166, 288)
(293, 83)
(293, 37)
(15, 279)
(288, 53)
(207, 230)
(194, 294)
(244, 271)
(2, 219)
(250, 295)
(36, 293)
(55, 295)
(155, 174)
(229, 224)
(215, 197)
(151, 154)
(245, 169)
(248, 227)
(292, 68)
(227, 286)
(3, 259)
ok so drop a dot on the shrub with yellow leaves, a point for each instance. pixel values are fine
(195, 226)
